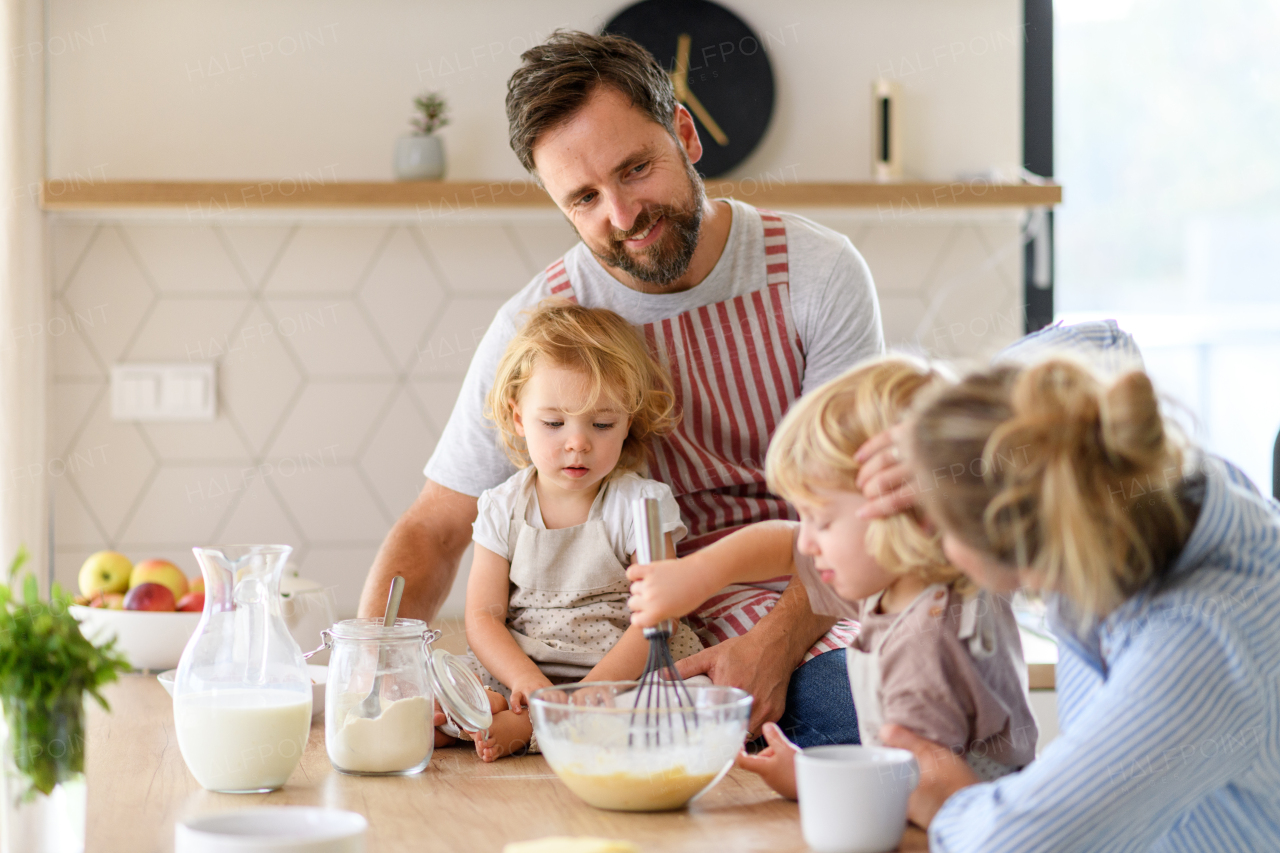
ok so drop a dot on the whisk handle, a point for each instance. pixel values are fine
(650, 544)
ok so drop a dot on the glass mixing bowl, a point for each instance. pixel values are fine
(615, 752)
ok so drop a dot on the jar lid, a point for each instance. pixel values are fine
(462, 696)
(372, 629)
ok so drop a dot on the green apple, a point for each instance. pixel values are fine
(105, 571)
(162, 572)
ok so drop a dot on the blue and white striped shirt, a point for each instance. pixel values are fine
(1169, 709)
(1102, 343)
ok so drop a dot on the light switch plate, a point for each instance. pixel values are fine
(164, 392)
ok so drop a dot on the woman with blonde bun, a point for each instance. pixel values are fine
(1161, 569)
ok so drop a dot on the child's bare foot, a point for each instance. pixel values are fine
(496, 703)
(509, 733)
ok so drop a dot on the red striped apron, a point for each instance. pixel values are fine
(736, 367)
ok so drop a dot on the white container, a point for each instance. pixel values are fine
(296, 829)
(149, 639)
(419, 158)
(853, 799)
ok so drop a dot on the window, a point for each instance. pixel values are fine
(1167, 143)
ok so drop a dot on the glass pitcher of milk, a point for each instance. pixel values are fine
(242, 695)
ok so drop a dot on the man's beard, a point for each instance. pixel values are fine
(668, 257)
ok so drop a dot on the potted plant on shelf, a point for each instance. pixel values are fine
(420, 157)
(46, 669)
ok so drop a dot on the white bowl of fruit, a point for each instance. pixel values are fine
(151, 608)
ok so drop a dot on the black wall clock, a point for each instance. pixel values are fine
(719, 68)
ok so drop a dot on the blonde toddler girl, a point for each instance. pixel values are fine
(576, 399)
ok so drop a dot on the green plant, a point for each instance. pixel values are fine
(433, 109)
(46, 667)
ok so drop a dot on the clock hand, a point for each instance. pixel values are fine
(691, 100)
(683, 44)
(680, 82)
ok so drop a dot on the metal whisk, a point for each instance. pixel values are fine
(662, 691)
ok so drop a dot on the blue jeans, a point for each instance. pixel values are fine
(820, 704)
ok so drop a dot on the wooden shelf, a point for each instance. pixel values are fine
(442, 198)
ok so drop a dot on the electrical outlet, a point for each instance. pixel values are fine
(164, 392)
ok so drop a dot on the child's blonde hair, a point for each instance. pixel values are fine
(814, 448)
(1056, 471)
(608, 351)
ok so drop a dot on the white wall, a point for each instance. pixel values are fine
(236, 89)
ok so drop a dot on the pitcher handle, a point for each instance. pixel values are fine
(326, 642)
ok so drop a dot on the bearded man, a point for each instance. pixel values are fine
(747, 308)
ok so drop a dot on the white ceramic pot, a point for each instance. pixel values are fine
(419, 158)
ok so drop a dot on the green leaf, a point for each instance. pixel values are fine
(18, 560)
(46, 667)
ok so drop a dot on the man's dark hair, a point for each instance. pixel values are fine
(558, 76)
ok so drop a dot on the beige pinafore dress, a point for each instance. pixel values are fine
(864, 675)
(568, 603)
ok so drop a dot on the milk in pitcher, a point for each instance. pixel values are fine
(238, 741)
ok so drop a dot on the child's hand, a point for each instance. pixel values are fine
(666, 589)
(776, 764)
(521, 689)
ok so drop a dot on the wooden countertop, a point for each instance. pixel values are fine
(139, 788)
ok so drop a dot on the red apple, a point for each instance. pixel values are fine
(149, 596)
(162, 572)
(196, 584)
(192, 602)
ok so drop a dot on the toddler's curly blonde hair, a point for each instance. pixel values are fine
(608, 351)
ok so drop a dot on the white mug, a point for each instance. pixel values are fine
(853, 799)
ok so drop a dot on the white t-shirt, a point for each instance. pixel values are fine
(498, 506)
(833, 301)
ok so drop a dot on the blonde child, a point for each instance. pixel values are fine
(576, 399)
(931, 654)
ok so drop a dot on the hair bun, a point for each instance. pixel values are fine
(1133, 432)
(1056, 406)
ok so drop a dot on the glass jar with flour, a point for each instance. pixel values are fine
(378, 697)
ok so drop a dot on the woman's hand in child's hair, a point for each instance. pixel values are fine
(665, 589)
(885, 478)
(775, 764)
(520, 691)
(942, 772)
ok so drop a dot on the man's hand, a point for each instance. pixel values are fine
(737, 662)
(885, 479)
(666, 589)
(776, 764)
(942, 772)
